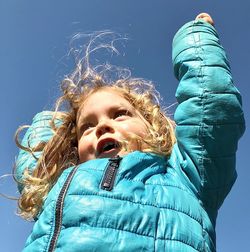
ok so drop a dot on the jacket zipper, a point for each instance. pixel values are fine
(59, 210)
(110, 173)
(106, 184)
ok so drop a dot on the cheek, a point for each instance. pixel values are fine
(85, 150)
(137, 127)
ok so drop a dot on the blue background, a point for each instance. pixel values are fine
(34, 43)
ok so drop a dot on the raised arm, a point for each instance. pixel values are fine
(209, 116)
(39, 131)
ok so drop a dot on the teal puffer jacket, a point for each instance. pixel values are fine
(143, 201)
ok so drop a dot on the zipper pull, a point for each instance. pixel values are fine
(110, 173)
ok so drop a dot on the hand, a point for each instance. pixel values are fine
(206, 17)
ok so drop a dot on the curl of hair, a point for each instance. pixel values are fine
(60, 152)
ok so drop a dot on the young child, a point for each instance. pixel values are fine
(114, 173)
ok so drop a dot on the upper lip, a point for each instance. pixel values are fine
(102, 142)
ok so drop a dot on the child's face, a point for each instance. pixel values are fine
(104, 120)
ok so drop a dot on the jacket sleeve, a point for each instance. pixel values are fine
(209, 118)
(39, 131)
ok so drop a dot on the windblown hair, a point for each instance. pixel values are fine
(60, 152)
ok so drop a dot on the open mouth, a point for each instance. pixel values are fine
(107, 146)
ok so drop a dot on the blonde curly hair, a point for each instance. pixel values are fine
(60, 152)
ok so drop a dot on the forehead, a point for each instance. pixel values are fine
(101, 100)
(105, 97)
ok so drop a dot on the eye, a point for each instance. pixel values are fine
(86, 127)
(122, 113)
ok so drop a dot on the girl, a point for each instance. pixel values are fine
(112, 173)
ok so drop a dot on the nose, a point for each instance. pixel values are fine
(104, 127)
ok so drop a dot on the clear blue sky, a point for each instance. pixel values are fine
(34, 41)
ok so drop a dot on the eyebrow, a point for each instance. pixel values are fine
(83, 119)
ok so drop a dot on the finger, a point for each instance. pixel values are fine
(206, 17)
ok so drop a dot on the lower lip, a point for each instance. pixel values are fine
(109, 153)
